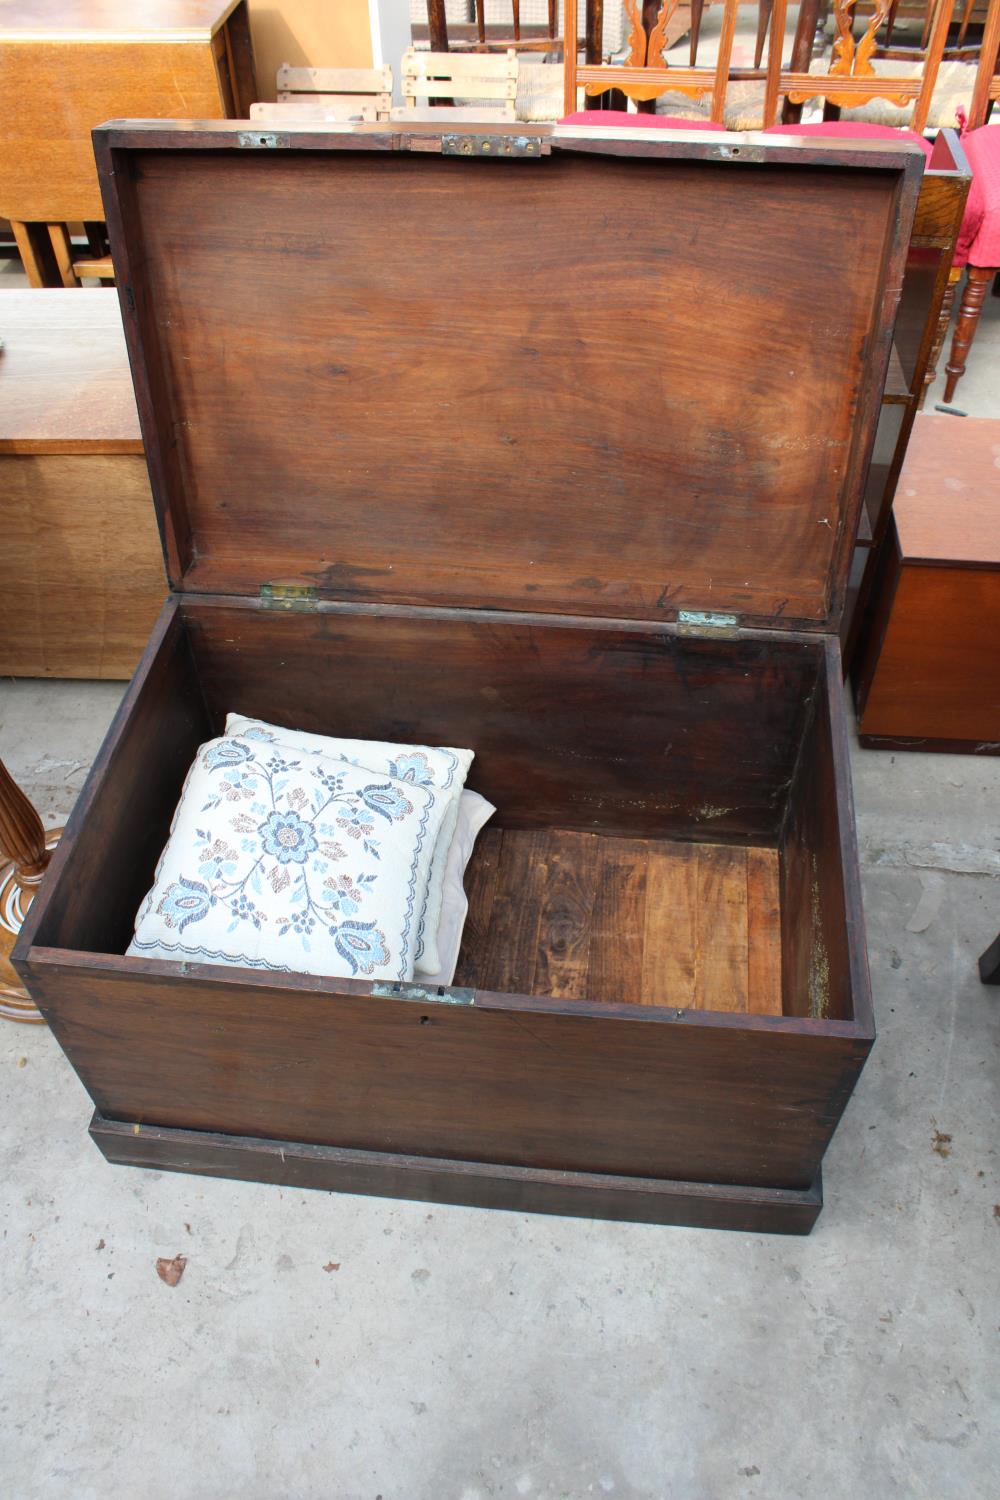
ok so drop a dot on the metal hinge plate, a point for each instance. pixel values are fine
(491, 145)
(261, 140)
(288, 596)
(698, 620)
(440, 994)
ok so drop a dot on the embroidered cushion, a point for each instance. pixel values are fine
(440, 768)
(294, 862)
(473, 813)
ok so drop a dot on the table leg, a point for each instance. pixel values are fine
(37, 256)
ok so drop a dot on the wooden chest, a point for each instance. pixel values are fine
(928, 675)
(81, 572)
(554, 447)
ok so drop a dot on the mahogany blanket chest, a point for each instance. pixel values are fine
(551, 446)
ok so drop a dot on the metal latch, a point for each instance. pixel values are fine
(441, 994)
(288, 596)
(261, 140)
(491, 145)
(697, 620)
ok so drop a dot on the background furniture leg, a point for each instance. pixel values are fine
(37, 255)
(989, 964)
(976, 285)
(62, 249)
(437, 25)
(944, 319)
(802, 48)
(25, 851)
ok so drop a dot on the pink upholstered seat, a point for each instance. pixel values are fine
(979, 241)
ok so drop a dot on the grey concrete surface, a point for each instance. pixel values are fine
(454, 1354)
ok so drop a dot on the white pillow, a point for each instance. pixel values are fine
(438, 767)
(298, 863)
(473, 813)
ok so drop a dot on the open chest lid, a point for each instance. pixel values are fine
(616, 373)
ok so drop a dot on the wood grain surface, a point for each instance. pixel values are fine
(81, 569)
(580, 484)
(66, 68)
(644, 1200)
(937, 673)
(65, 385)
(631, 921)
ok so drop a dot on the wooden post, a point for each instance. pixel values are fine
(569, 57)
(437, 25)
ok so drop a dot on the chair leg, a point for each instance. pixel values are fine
(976, 286)
(989, 964)
(764, 9)
(940, 333)
(697, 7)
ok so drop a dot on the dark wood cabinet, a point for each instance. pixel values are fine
(928, 672)
(489, 467)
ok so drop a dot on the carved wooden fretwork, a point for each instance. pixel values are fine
(647, 52)
(853, 59)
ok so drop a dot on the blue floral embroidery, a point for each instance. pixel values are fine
(288, 837)
(412, 768)
(362, 944)
(185, 901)
(386, 800)
(226, 753)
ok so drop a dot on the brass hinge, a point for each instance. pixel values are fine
(288, 596)
(441, 994)
(694, 622)
(261, 140)
(491, 145)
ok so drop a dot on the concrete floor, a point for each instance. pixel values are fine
(453, 1354)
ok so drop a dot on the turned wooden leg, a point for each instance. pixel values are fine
(22, 836)
(944, 318)
(25, 851)
(976, 286)
(989, 964)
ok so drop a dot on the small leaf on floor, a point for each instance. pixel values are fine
(171, 1271)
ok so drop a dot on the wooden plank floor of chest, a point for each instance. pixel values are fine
(558, 456)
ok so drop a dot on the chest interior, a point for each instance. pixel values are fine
(667, 827)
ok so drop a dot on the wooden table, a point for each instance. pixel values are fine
(68, 65)
(928, 673)
(81, 572)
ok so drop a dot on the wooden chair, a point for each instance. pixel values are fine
(851, 80)
(458, 78)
